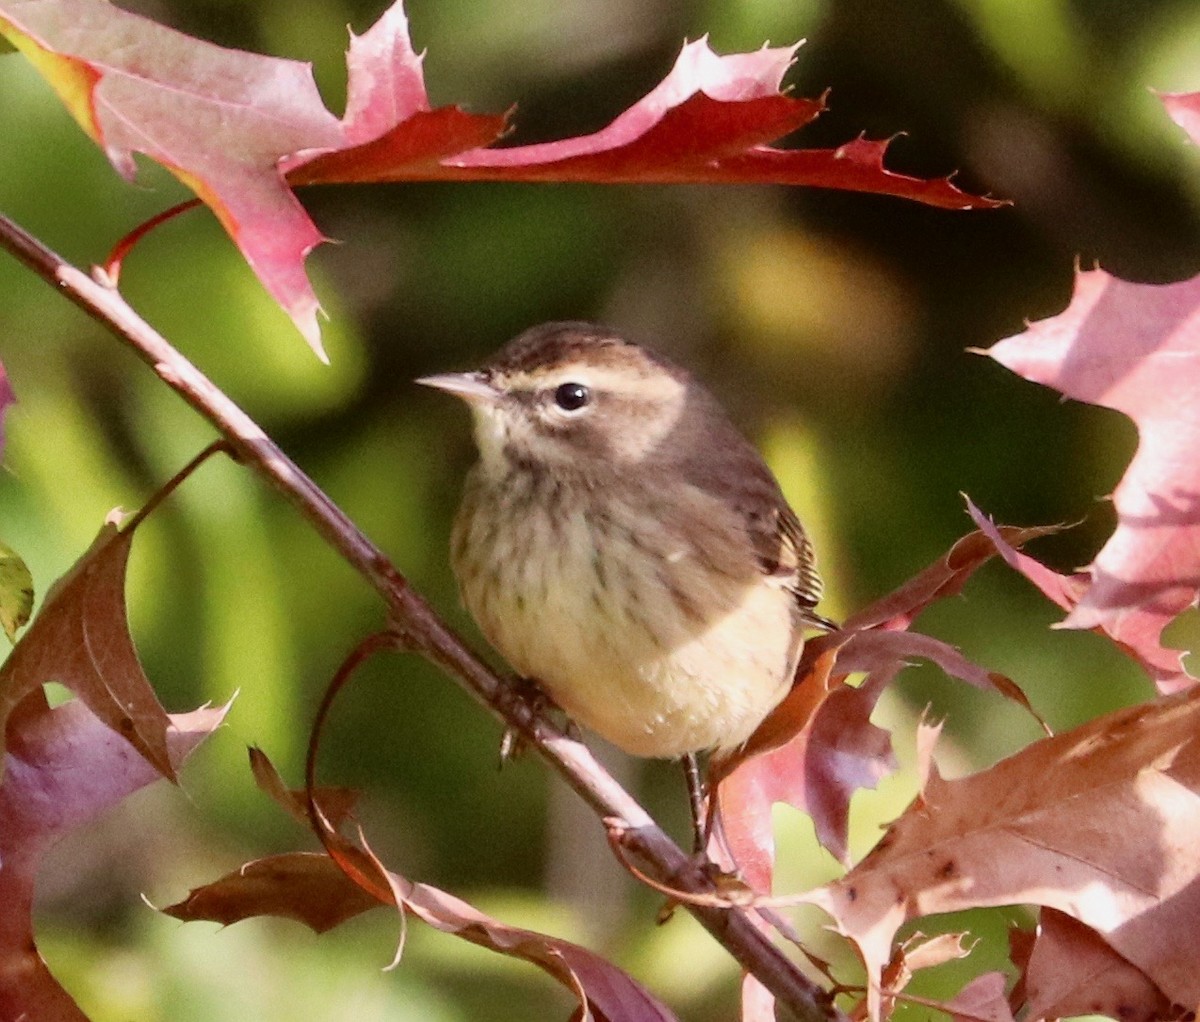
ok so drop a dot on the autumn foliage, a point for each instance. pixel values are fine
(1094, 828)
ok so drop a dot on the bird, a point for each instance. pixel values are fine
(625, 547)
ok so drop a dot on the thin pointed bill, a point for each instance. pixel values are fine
(471, 387)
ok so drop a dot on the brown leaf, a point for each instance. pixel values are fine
(1102, 823)
(312, 889)
(1073, 971)
(915, 953)
(62, 768)
(818, 747)
(923, 952)
(305, 886)
(322, 891)
(1020, 948)
(836, 750)
(80, 638)
(337, 803)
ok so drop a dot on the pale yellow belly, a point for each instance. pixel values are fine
(654, 644)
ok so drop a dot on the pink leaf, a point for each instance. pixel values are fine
(62, 768)
(1134, 348)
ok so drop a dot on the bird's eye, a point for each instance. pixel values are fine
(570, 397)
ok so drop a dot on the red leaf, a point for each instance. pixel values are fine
(63, 767)
(232, 125)
(221, 120)
(336, 803)
(1067, 590)
(944, 577)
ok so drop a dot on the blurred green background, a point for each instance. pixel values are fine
(833, 325)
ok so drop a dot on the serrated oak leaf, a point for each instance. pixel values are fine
(837, 752)
(1134, 348)
(1073, 971)
(62, 768)
(306, 887)
(1102, 823)
(943, 578)
(311, 889)
(80, 639)
(239, 128)
(220, 120)
(323, 890)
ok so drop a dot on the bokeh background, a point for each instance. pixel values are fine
(834, 326)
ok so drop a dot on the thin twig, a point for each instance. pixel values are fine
(657, 855)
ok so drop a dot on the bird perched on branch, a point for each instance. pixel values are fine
(625, 547)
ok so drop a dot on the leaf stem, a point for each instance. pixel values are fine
(169, 487)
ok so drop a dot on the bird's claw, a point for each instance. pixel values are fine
(529, 694)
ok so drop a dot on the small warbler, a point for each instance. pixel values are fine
(625, 547)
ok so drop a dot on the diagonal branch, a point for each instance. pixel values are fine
(648, 845)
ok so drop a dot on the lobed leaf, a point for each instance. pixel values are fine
(307, 887)
(323, 890)
(1101, 823)
(1134, 348)
(315, 890)
(241, 129)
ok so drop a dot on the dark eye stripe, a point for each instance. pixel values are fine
(570, 397)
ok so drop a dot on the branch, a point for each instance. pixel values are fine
(650, 847)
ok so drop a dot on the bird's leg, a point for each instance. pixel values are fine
(696, 800)
(531, 695)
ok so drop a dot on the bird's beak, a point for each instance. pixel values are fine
(473, 388)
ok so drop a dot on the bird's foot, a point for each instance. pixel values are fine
(527, 692)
